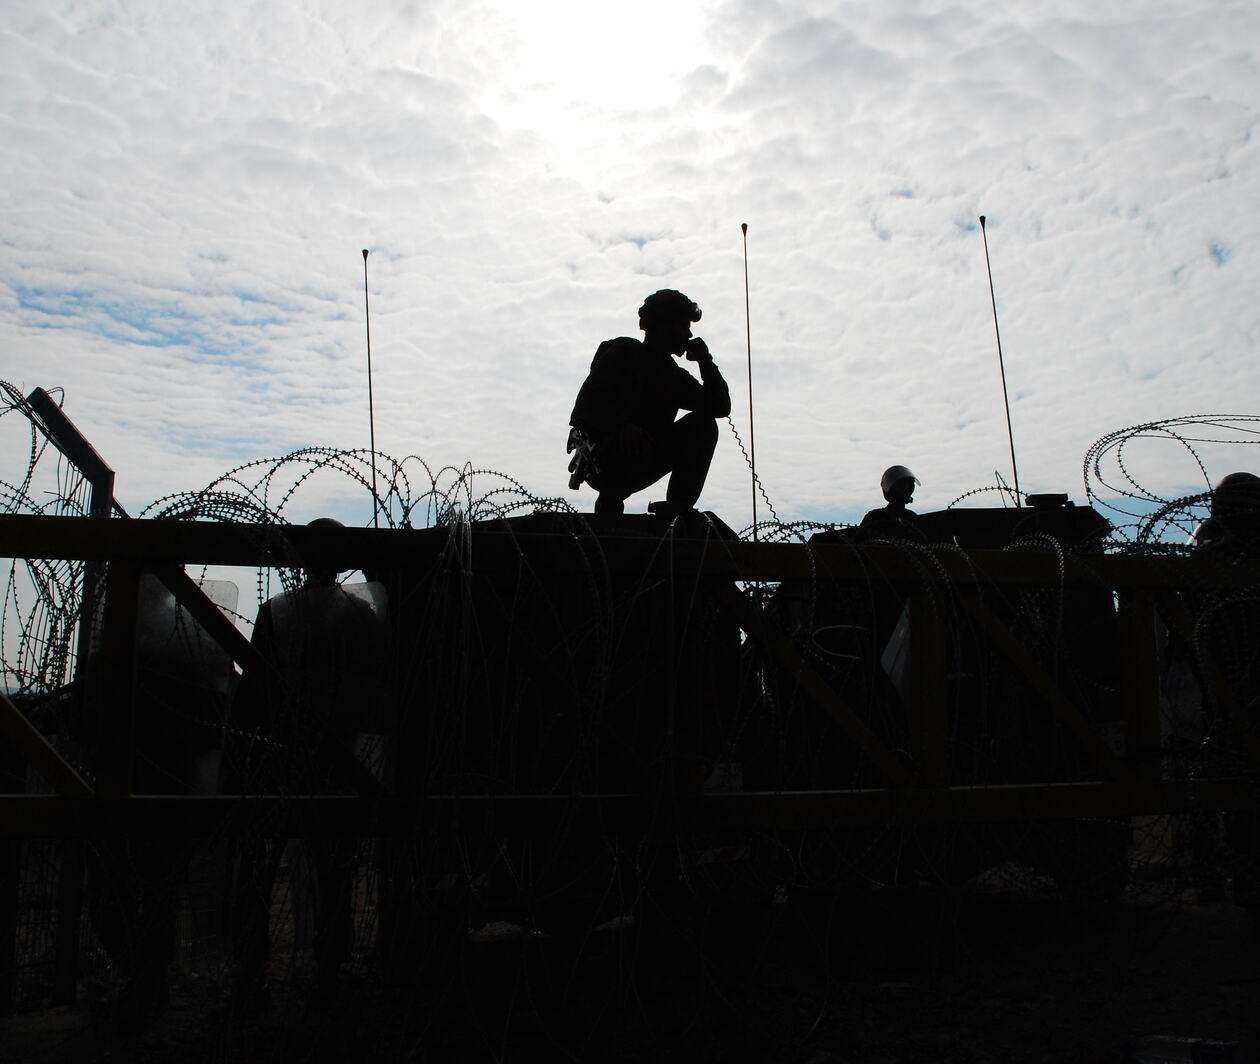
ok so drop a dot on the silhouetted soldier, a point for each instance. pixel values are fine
(324, 681)
(1228, 633)
(623, 424)
(181, 697)
(893, 521)
(1233, 525)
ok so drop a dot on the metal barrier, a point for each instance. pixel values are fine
(916, 789)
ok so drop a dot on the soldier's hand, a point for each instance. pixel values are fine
(698, 350)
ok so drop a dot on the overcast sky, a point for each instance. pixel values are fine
(187, 187)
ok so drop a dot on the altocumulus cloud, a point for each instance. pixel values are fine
(186, 190)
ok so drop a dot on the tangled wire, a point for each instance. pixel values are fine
(1143, 520)
(593, 652)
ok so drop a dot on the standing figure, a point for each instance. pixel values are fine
(322, 678)
(1227, 631)
(182, 682)
(623, 424)
(893, 521)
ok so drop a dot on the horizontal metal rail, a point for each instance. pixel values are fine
(183, 542)
(1127, 786)
(227, 816)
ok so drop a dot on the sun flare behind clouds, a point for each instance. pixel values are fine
(186, 195)
(572, 58)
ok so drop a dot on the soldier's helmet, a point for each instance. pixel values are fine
(1237, 495)
(665, 306)
(892, 476)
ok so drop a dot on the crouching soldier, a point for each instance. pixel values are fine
(623, 426)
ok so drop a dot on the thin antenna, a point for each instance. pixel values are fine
(752, 439)
(1010, 435)
(367, 321)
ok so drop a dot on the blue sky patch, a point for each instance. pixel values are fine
(155, 323)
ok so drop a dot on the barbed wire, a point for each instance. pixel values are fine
(488, 660)
(1143, 520)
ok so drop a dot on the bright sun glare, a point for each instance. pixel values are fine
(574, 53)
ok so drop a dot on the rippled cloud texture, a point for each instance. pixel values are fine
(187, 187)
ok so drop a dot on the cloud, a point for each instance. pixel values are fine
(186, 192)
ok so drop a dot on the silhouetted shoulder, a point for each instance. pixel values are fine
(887, 516)
(613, 351)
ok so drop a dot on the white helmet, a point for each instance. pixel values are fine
(893, 474)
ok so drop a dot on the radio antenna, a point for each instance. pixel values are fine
(1010, 435)
(367, 322)
(752, 439)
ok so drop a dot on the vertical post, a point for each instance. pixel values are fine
(12, 779)
(115, 702)
(109, 728)
(1139, 684)
(66, 437)
(367, 323)
(752, 432)
(929, 717)
(1010, 432)
(69, 904)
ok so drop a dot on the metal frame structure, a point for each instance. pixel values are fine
(1146, 590)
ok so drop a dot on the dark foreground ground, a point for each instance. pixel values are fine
(992, 972)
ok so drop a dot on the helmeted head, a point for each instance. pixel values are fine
(322, 577)
(898, 484)
(1237, 496)
(667, 307)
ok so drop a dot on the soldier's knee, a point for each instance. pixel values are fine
(700, 429)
